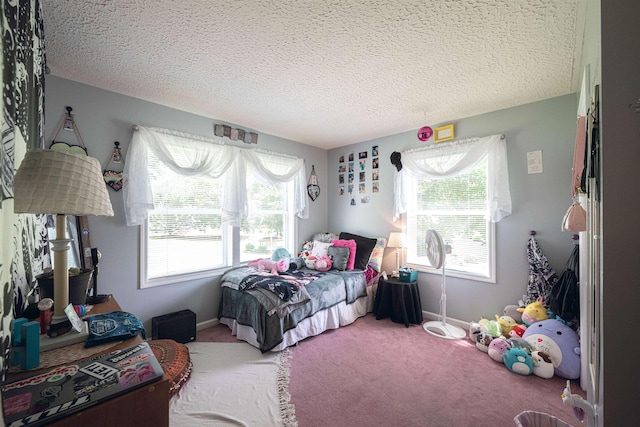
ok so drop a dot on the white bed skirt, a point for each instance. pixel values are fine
(331, 318)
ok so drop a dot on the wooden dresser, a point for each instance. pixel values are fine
(145, 406)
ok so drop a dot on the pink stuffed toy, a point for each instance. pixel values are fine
(323, 263)
(263, 264)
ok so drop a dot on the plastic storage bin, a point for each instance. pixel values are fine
(408, 276)
(538, 419)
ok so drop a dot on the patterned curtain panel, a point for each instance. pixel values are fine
(23, 238)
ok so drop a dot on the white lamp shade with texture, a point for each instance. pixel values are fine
(396, 240)
(53, 182)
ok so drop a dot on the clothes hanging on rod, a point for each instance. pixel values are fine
(541, 276)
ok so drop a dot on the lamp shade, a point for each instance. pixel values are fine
(396, 240)
(52, 182)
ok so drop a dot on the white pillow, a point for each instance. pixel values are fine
(320, 248)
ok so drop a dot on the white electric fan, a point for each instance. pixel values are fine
(437, 252)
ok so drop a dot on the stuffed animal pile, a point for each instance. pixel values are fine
(319, 262)
(529, 341)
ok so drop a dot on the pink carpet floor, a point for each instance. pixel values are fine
(380, 373)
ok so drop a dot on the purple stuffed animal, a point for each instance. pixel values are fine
(560, 342)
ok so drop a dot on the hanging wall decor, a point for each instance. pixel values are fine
(313, 189)
(443, 133)
(68, 123)
(424, 133)
(113, 177)
(235, 134)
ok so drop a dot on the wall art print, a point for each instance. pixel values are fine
(358, 178)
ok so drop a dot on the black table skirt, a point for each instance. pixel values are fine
(398, 300)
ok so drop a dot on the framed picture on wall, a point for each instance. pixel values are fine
(443, 133)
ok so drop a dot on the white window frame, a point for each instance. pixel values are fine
(450, 272)
(231, 249)
(410, 229)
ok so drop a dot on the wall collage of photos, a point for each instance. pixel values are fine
(358, 178)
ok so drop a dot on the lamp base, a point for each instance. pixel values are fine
(59, 326)
(71, 337)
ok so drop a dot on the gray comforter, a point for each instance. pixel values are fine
(270, 317)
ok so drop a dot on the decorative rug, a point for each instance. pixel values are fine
(234, 384)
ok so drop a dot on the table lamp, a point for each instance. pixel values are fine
(397, 240)
(53, 182)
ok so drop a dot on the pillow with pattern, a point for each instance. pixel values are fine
(375, 261)
(319, 248)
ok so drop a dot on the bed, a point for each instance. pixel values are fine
(273, 312)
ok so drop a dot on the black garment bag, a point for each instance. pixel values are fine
(565, 293)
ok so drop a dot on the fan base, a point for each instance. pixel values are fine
(444, 330)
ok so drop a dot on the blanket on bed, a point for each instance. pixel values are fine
(284, 285)
(255, 307)
(269, 300)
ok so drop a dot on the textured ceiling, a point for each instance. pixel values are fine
(322, 72)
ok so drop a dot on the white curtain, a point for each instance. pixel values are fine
(191, 155)
(455, 158)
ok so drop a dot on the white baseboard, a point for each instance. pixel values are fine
(207, 324)
(427, 315)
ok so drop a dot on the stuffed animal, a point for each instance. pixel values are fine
(511, 310)
(533, 312)
(323, 263)
(497, 348)
(519, 361)
(263, 264)
(310, 262)
(494, 329)
(517, 331)
(521, 343)
(542, 364)
(280, 253)
(305, 253)
(560, 342)
(506, 324)
(474, 331)
(483, 341)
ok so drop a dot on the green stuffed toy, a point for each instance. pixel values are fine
(280, 253)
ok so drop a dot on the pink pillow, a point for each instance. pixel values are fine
(351, 244)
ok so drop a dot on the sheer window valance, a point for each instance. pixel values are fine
(191, 155)
(454, 158)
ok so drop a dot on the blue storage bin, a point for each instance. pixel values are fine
(408, 276)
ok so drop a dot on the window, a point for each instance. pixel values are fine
(461, 189)
(457, 207)
(270, 224)
(187, 236)
(185, 232)
(204, 206)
